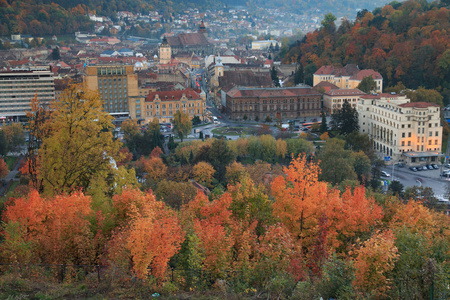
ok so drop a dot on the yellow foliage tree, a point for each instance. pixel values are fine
(203, 173)
(80, 145)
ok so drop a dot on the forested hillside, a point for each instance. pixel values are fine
(406, 42)
(45, 17)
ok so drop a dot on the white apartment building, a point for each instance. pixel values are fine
(19, 86)
(408, 132)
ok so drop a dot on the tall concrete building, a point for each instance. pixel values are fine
(117, 86)
(408, 132)
(19, 86)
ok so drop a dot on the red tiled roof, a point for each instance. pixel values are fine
(172, 95)
(271, 92)
(419, 104)
(345, 92)
(366, 73)
(187, 39)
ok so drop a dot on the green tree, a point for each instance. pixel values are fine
(336, 162)
(425, 95)
(345, 119)
(80, 146)
(220, 156)
(367, 85)
(182, 125)
(14, 135)
(274, 76)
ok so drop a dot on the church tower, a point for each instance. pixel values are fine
(202, 29)
(165, 52)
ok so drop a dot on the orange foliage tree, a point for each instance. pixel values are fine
(149, 235)
(57, 229)
(3, 168)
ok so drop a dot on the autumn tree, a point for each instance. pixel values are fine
(182, 125)
(374, 261)
(56, 230)
(80, 145)
(14, 136)
(235, 172)
(4, 171)
(150, 236)
(203, 173)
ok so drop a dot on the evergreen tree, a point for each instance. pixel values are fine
(345, 120)
(56, 55)
(323, 125)
(298, 75)
(274, 75)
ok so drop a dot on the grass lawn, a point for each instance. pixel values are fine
(235, 131)
(10, 161)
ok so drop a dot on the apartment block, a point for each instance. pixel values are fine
(19, 86)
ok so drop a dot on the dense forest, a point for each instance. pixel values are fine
(407, 42)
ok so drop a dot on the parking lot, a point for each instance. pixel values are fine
(426, 178)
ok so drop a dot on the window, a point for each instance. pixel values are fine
(403, 143)
(409, 134)
(435, 142)
(437, 133)
(409, 143)
(403, 134)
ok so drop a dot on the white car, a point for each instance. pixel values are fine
(385, 174)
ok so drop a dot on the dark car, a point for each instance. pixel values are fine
(445, 174)
(419, 168)
(435, 166)
(414, 169)
(429, 167)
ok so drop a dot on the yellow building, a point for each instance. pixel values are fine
(165, 52)
(335, 98)
(404, 131)
(164, 104)
(116, 84)
(348, 77)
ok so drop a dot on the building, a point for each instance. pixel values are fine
(265, 45)
(335, 98)
(404, 131)
(348, 77)
(19, 86)
(116, 84)
(191, 42)
(165, 52)
(164, 104)
(284, 103)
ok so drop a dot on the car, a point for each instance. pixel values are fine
(444, 174)
(429, 167)
(400, 165)
(435, 166)
(419, 168)
(447, 165)
(414, 169)
(385, 174)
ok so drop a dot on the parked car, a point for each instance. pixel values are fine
(385, 174)
(447, 165)
(414, 169)
(429, 167)
(435, 166)
(419, 168)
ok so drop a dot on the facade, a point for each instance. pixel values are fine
(285, 103)
(18, 87)
(165, 52)
(334, 99)
(164, 104)
(191, 42)
(116, 84)
(348, 77)
(408, 132)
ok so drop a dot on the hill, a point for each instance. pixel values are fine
(48, 17)
(406, 42)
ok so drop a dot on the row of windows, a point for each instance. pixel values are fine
(168, 113)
